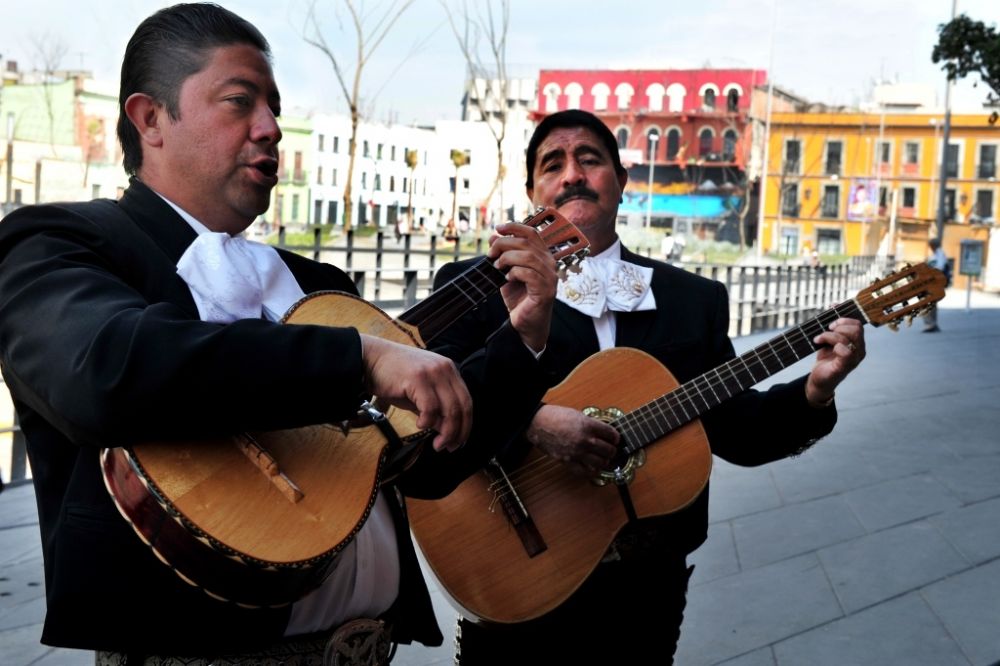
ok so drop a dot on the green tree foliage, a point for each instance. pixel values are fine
(969, 47)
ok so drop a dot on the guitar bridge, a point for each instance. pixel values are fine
(517, 514)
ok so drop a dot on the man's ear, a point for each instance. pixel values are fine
(146, 116)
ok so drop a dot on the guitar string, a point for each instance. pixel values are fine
(536, 470)
(759, 358)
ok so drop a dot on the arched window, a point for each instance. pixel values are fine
(652, 138)
(733, 101)
(551, 93)
(655, 93)
(676, 93)
(709, 99)
(673, 143)
(729, 138)
(624, 92)
(601, 92)
(705, 141)
(622, 136)
(574, 91)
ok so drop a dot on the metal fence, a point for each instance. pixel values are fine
(397, 274)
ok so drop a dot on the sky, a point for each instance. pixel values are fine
(830, 52)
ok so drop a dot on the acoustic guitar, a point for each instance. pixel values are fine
(260, 518)
(512, 543)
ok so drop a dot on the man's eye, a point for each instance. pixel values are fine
(240, 100)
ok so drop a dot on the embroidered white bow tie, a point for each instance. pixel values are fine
(607, 284)
(232, 278)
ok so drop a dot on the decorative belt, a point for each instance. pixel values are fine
(361, 642)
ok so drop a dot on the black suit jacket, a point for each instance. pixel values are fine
(101, 346)
(688, 334)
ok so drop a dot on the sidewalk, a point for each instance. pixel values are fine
(879, 546)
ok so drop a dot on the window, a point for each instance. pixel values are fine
(673, 143)
(336, 144)
(392, 183)
(298, 176)
(319, 143)
(709, 99)
(885, 152)
(793, 150)
(574, 91)
(833, 153)
(790, 241)
(318, 211)
(828, 241)
(729, 143)
(366, 149)
(790, 200)
(622, 136)
(392, 153)
(601, 92)
(295, 208)
(333, 177)
(95, 191)
(883, 199)
(624, 92)
(378, 182)
(733, 101)
(984, 204)
(951, 161)
(705, 141)
(652, 138)
(949, 204)
(909, 197)
(364, 180)
(378, 151)
(831, 201)
(319, 175)
(911, 152)
(406, 184)
(987, 161)
(331, 213)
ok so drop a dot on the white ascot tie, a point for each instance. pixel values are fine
(607, 284)
(232, 278)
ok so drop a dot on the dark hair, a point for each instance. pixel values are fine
(569, 119)
(935, 243)
(165, 50)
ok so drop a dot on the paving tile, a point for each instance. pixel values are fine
(973, 530)
(969, 606)
(900, 501)
(889, 563)
(823, 474)
(973, 479)
(740, 491)
(792, 530)
(732, 616)
(901, 631)
(716, 557)
(762, 657)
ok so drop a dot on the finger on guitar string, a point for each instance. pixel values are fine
(422, 382)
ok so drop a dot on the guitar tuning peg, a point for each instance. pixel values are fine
(893, 326)
(575, 267)
(909, 321)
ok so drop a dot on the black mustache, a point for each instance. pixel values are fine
(575, 191)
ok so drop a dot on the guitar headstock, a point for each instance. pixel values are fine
(565, 242)
(905, 293)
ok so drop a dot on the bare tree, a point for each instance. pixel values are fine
(370, 30)
(49, 51)
(489, 86)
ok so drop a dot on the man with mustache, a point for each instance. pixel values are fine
(629, 610)
(151, 319)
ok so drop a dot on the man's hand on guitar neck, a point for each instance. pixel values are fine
(842, 348)
(422, 382)
(531, 281)
(585, 444)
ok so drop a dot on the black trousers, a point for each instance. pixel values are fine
(600, 624)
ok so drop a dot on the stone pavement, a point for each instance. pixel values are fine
(879, 546)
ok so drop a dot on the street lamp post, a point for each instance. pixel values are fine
(653, 138)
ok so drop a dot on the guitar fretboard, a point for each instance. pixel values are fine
(439, 310)
(690, 400)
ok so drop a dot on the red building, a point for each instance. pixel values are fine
(695, 123)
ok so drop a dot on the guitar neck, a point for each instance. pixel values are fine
(690, 400)
(447, 304)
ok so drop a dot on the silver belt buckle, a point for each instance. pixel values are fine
(360, 642)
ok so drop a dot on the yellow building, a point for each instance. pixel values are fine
(869, 183)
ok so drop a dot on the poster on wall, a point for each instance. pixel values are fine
(861, 204)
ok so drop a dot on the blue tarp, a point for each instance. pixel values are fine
(680, 205)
